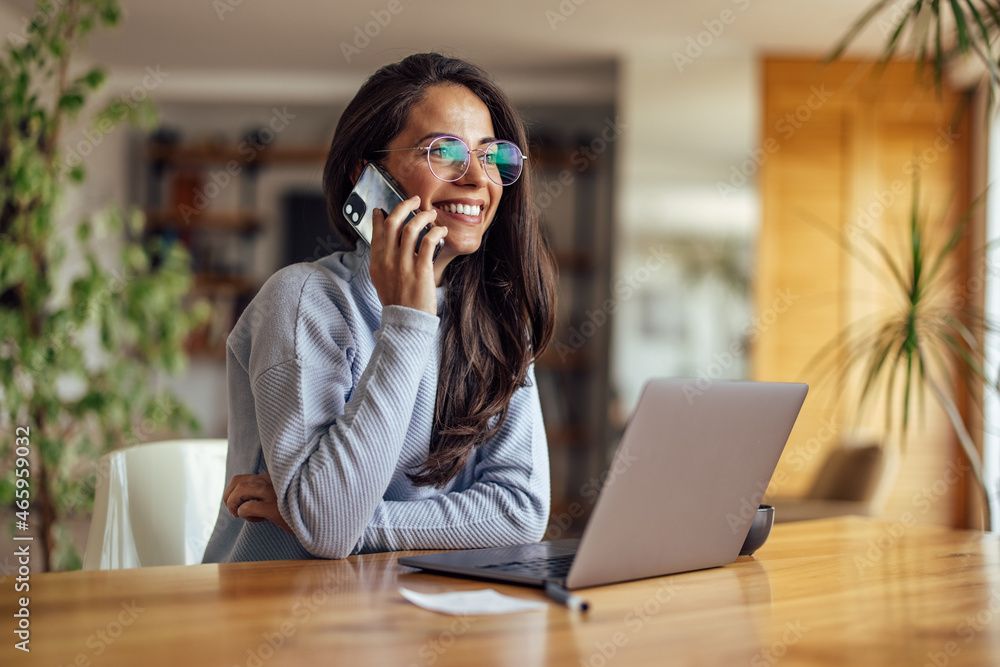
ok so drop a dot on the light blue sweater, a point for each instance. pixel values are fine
(335, 396)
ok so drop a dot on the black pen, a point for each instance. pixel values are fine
(565, 598)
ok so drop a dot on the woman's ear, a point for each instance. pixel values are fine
(356, 171)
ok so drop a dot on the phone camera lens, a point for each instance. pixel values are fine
(354, 208)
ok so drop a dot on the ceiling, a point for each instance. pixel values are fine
(318, 36)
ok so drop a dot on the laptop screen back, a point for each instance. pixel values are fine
(687, 478)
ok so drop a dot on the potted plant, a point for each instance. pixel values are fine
(82, 350)
(933, 338)
(924, 340)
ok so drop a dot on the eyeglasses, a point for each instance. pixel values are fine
(449, 159)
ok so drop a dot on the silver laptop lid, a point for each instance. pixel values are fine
(688, 475)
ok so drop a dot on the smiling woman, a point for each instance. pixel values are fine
(381, 399)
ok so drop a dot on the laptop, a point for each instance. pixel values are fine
(681, 491)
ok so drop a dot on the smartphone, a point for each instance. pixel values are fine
(376, 188)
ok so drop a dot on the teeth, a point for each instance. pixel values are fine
(464, 209)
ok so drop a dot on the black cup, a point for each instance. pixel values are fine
(759, 530)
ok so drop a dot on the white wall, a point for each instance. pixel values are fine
(686, 129)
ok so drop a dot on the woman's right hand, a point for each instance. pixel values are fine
(401, 276)
(252, 497)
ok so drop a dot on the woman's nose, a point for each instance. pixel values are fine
(476, 173)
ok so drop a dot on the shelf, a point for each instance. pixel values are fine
(201, 155)
(230, 221)
(551, 360)
(215, 284)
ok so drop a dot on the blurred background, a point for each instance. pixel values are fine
(681, 152)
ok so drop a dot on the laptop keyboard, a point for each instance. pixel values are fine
(555, 567)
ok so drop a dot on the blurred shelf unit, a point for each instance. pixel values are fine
(247, 153)
(174, 218)
(574, 204)
(204, 196)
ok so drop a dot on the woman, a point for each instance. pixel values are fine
(381, 399)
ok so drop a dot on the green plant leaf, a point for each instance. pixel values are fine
(71, 101)
(984, 32)
(856, 28)
(891, 44)
(926, 39)
(111, 15)
(50, 330)
(93, 79)
(960, 27)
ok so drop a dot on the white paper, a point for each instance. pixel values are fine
(470, 603)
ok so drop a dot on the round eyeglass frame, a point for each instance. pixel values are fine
(481, 157)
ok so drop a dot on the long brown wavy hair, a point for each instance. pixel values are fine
(499, 310)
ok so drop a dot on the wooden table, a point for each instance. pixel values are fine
(846, 591)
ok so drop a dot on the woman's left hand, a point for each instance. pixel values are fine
(252, 497)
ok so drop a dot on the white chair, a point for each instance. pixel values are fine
(156, 504)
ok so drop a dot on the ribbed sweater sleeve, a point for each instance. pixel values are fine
(507, 503)
(331, 448)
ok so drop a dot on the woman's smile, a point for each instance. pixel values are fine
(468, 211)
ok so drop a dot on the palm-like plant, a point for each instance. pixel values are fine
(929, 336)
(940, 32)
